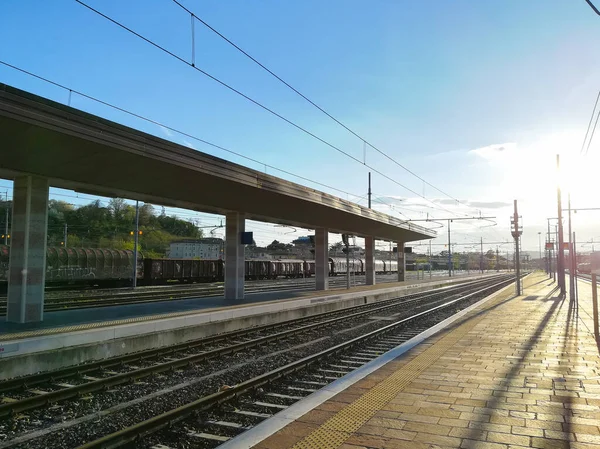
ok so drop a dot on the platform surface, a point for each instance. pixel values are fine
(516, 372)
(78, 319)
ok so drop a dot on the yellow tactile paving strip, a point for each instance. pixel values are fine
(517, 373)
(337, 429)
(141, 319)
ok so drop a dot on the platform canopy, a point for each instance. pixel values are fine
(79, 151)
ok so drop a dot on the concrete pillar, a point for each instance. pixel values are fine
(370, 260)
(235, 224)
(401, 261)
(322, 259)
(27, 265)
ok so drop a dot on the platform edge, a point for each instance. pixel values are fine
(272, 425)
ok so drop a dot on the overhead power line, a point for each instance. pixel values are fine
(587, 148)
(183, 133)
(339, 122)
(589, 2)
(590, 124)
(230, 42)
(255, 102)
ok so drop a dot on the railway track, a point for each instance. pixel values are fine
(169, 294)
(207, 348)
(78, 382)
(218, 417)
(89, 299)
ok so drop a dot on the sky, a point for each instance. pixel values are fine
(474, 97)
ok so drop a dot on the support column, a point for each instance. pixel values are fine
(235, 224)
(370, 260)
(27, 265)
(401, 261)
(322, 259)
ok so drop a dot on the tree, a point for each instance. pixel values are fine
(336, 247)
(278, 247)
(117, 207)
(155, 241)
(146, 214)
(95, 226)
(73, 241)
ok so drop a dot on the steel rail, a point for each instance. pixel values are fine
(35, 379)
(170, 417)
(72, 303)
(70, 392)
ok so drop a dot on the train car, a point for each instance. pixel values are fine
(4, 260)
(309, 268)
(91, 266)
(290, 268)
(87, 266)
(109, 267)
(337, 265)
(161, 271)
(259, 269)
(391, 266)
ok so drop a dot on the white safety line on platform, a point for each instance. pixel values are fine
(272, 425)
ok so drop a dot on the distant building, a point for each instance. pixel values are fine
(256, 254)
(305, 240)
(208, 248)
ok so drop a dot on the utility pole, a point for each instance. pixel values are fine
(540, 245)
(449, 242)
(481, 257)
(430, 259)
(346, 241)
(516, 233)
(561, 251)
(507, 265)
(571, 255)
(549, 251)
(65, 237)
(574, 268)
(369, 190)
(135, 243)
(497, 259)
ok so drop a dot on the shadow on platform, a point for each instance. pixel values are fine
(495, 402)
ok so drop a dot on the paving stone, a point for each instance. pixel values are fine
(437, 439)
(508, 438)
(527, 431)
(525, 375)
(476, 444)
(427, 428)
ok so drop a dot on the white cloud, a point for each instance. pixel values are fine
(189, 144)
(501, 150)
(167, 132)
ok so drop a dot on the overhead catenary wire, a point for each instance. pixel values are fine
(339, 122)
(183, 133)
(596, 10)
(590, 123)
(255, 102)
(267, 229)
(592, 134)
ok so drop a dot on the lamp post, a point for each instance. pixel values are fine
(540, 245)
(561, 252)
